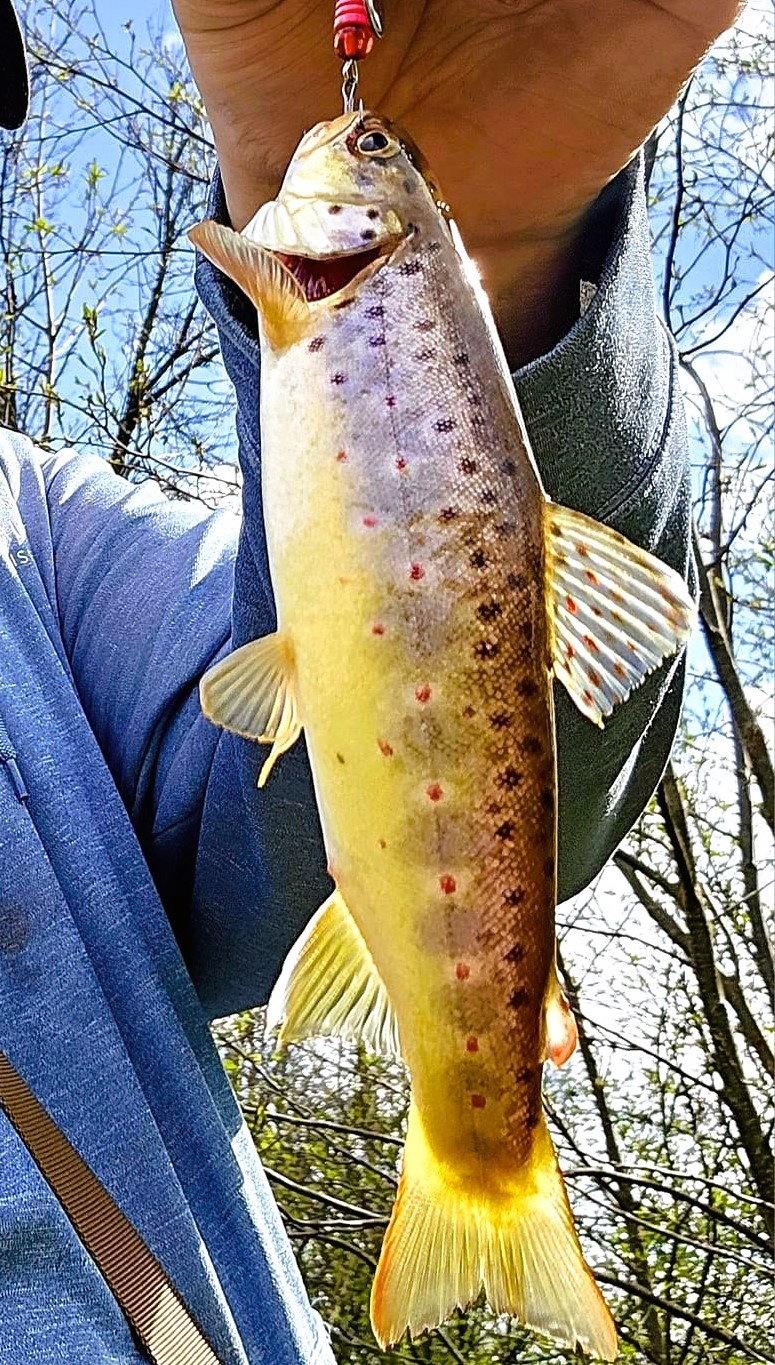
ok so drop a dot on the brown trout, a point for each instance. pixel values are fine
(427, 591)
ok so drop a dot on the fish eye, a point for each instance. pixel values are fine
(376, 143)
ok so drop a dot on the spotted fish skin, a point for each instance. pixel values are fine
(426, 591)
(405, 529)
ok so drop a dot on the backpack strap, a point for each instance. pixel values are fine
(149, 1300)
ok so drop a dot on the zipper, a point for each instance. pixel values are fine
(8, 760)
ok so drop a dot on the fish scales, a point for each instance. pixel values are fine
(432, 485)
(427, 590)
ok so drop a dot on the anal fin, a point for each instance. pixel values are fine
(330, 985)
(615, 611)
(253, 693)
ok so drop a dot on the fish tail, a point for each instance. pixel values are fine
(448, 1240)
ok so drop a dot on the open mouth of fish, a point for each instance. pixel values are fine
(322, 276)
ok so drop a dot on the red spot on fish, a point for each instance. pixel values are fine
(616, 595)
(434, 792)
(582, 549)
(589, 699)
(620, 671)
(400, 462)
(478, 1101)
(378, 629)
(594, 677)
(390, 400)
(591, 643)
(416, 572)
(369, 521)
(592, 577)
(597, 611)
(462, 971)
(472, 1044)
(632, 648)
(570, 604)
(448, 884)
(342, 457)
(385, 749)
(422, 694)
(468, 712)
(570, 651)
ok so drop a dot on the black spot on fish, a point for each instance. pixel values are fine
(478, 559)
(500, 720)
(445, 424)
(506, 830)
(515, 953)
(526, 631)
(425, 325)
(509, 467)
(488, 611)
(316, 343)
(335, 208)
(340, 758)
(368, 235)
(461, 358)
(412, 267)
(489, 497)
(433, 247)
(375, 310)
(531, 744)
(338, 378)
(516, 581)
(447, 514)
(474, 400)
(468, 712)
(549, 867)
(547, 798)
(515, 896)
(427, 354)
(532, 1119)
(526, 687)
(487, 649)
(377, 341)
(468, 466)
(372, 213)
(524, 1075)
(518, 998)
(504, 529)
(510, 777)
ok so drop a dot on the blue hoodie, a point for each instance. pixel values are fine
(146, 885)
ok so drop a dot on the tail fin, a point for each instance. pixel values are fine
(446, 1242)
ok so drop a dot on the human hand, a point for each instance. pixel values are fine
(524, 108)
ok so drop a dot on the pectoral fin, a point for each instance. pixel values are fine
(615, 611)
(253, 693)
(278, 296)
(330, 985)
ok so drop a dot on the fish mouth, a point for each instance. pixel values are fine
(321, 277)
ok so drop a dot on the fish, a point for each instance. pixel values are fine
(428, 591)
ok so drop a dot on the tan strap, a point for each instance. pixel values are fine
(149, 1300)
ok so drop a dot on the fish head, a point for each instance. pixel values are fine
(355, 191)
